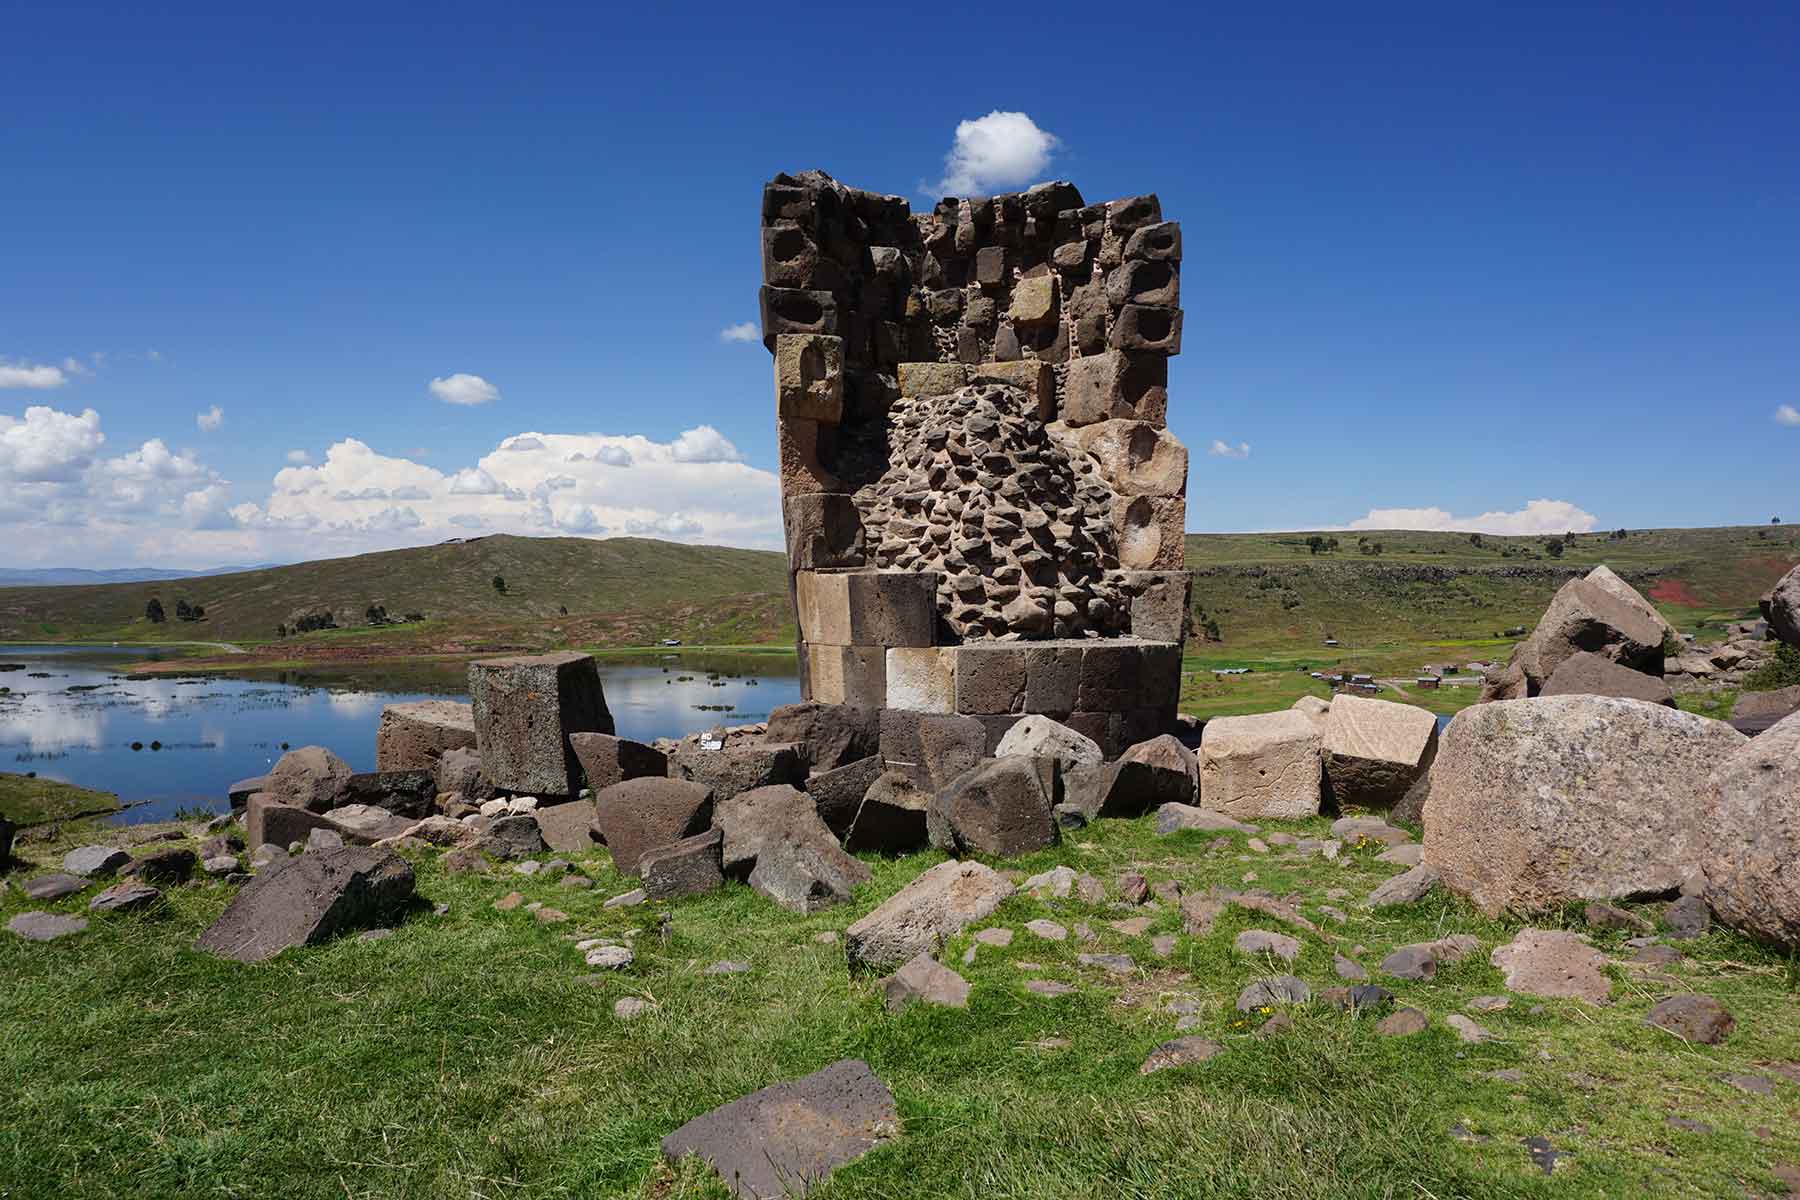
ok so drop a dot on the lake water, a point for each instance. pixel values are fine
(172, 742)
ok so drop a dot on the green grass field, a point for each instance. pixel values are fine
(28, 800)
(474, 1054)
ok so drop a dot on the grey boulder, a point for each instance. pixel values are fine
(311, 899)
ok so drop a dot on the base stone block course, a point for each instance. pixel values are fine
(525, 710)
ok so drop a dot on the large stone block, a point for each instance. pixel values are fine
(607, 759)
(1153, 282)
(824, 530)
(1591, 615)
(851, 675)
(1141, 327)
(793, 310)
(1133, 212)
(406, 793)
(1263, 765)
(1118, 674)
(990, 677)
(1000, 807)
(1136, 458)
(922, 678)
(1161, 604)
(1589, 674)
(311, 777)
(1751, 813)
(1781, 608)
(639, 815)
(930, 748)
(803, 450)
(1124, 788)
(684, 868)
(414, 736)
(937, 905)
(1116, 384)
(931, 378)
(1376, 750)
(1540, 803)
(1151, 532)
(867, 608)
(1155, 243)
(526, 708)
(1034, 302)
(838, 794)
(731, 769)
(833, 735)
(790, 257)
(1032, 376)
(321, 894)
(809, 377)
(1053, 676)
(267, 820)
(567, 828)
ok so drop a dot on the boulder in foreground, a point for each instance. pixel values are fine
(1540, 803)
(1589, 674)
(782, 1140)
(414, 736)
(311, 777)
(1376, 751)
(1262, 765)
(314, 897)
(1781, 608)
(1001, 807)
(1752, 855)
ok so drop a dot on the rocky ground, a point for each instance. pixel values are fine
(512, 1034)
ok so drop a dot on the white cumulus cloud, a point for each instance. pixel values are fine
(1000, 150)
(210, 420)
(1537, 517)
(31, 375)
(464, 389)
(1787, 414)
(703, 444)
(46, 445)
(298, 457)
(1224, 449)
(744, 331)
(611, 456)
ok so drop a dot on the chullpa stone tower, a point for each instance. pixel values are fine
(984, 507)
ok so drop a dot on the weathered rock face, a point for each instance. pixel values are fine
(459, 772)
(412, 737)
(924, 980)
(1767, 706)
(1553, 963)
(311, 777)
(640, 815)
(311, 899)
(684, 868)
(404, 793)
(1539, 803)
(606, 760)
(1038, 736)
(1588, 674)
(1376, 750)
(938, 904)
(1781, 608)
(838, 795)
(1001, 807)
(1263, 765)
(731, 770)
(1123, 788)
(267, 821)
(1751, 809)
(891, 819)
(567, 828)
(786, 1138)
(775, 839)
(1600, 614)
(1168, 753)
(525, 710)
(1604, 578)
(835, 735)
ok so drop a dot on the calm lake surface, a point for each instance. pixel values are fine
(72, 715)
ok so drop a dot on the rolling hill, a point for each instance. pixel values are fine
(1260, 591)
(451, 584)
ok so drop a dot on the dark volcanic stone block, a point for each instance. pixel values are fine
(268, 821)
(735, 769)
(990, 678)
(313, 897)
(1141, 327)
(414, 736)
(834, 734)
(525, 710)
(684, 868)
(403, 793)
(606, 759)
(640, 815)
(785, 1138)
(793, 310)
(836, 795)
(567, 828)
(931, 748)
(1001, 807)
(823, 530)
(1052, 678)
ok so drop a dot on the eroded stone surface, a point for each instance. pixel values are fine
(935, 906)
(1553, 964)
(1266, 765)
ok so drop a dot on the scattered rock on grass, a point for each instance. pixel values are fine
(1280, 989)
(1687, 918)
(1467, 1030)
(1692, 1018)
(1553, 964)
(783, 1139)
(1261, 941)
(1047, 987)
(610, 958)
(1048, 930)
(126, 896)
(53, 886)
(309, 901)
(45, 927)
(938, 904)
(1181, 1052)
(95, 862)
(927, 981)
(1403, 1023)
(1413, 886)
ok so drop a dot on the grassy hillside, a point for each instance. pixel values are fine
(650, 584)
(1269, 590)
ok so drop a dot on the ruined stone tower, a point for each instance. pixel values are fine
(984, 508)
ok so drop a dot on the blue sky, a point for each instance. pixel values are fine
(1435, 261)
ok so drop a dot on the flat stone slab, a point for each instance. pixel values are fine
(95, 861)
(780, 1141)
(53, 886)
(45, 927)
(1182, 1052)
(316, 896)
(1554, 964)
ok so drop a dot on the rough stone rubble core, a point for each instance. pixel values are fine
(970, 408)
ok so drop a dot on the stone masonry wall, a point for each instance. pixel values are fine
(971, 411)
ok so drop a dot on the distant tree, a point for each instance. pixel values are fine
(376, 614)
(1774, 520)
(184, 611)
(1618, 535)
(198, 612)
(562, 610)
(415, 616)
(1315, 543)
(281, 631)
(1554, 547)
(500, 584)
(1330, 545)
(1475, 540)
(1210, 627)
(153, 612)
